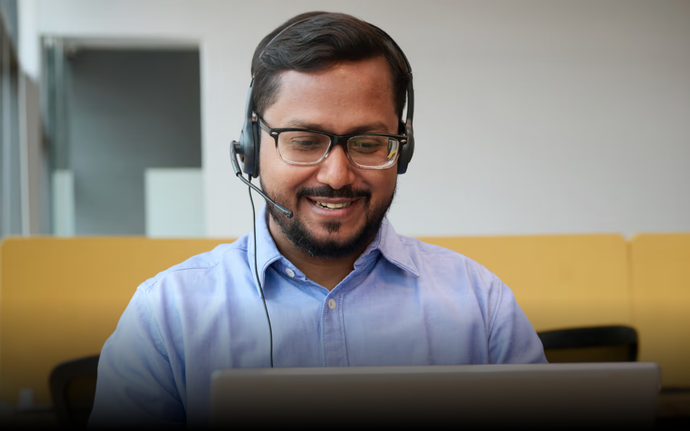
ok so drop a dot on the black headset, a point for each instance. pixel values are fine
(250, 139)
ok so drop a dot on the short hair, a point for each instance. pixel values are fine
(317, 41)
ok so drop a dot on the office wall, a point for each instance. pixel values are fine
(533, 116)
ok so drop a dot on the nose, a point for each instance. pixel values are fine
(336, 170)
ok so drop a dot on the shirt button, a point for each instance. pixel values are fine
(331, 304)
(290, 272)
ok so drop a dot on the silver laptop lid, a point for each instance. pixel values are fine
(538, 396)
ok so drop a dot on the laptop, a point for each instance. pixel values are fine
(541, 396)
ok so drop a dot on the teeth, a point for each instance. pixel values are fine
(332, 206)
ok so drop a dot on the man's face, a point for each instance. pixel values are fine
(351, 97)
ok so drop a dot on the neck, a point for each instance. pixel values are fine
(327, 272)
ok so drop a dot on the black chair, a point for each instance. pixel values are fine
(593, 344)
(73, 387)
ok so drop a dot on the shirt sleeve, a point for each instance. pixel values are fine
(512, 339)
(136, 385)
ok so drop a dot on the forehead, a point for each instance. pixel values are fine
(345, 95)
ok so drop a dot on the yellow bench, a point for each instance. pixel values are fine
(660, 272)
(60, 298)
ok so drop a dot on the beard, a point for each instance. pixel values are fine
(297, 232)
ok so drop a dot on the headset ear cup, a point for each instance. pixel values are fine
(249, 139)
(407, 150)
(256, 147)
(247, 148)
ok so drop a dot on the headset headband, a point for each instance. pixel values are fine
(250, 139)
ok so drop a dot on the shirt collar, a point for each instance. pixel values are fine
(387, 242)
(392, 247)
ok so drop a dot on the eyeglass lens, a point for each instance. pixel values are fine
(363, 150)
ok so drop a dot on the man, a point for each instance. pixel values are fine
(341, 287)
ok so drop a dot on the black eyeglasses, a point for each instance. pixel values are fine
(310, 147)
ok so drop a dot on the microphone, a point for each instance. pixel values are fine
(238, 173)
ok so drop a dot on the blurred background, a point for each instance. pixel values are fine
(537, 123)
(532, 116)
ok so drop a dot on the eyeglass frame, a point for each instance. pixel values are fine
(334, 140)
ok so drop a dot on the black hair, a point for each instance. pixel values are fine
(315, 41)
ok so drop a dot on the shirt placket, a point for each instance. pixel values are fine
(333, 333)
(333, 318)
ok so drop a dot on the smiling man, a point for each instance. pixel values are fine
(324, 281)
(340, 193)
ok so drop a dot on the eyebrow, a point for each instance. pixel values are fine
(374, 127)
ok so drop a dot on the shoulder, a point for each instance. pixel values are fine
(203, 267)
(451, 274)
(433, 258)
(453, 281)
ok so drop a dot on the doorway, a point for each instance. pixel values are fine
(123, 138)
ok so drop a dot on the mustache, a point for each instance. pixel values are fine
(347, 192)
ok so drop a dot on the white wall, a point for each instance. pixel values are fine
(174, 202)
(533, 116)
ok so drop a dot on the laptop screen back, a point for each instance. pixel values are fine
(541, 396)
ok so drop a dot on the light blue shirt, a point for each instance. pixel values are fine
(405, 303)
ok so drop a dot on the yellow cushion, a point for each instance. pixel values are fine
(660, 268)
(62, 298)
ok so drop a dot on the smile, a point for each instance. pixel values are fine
(330, 206)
